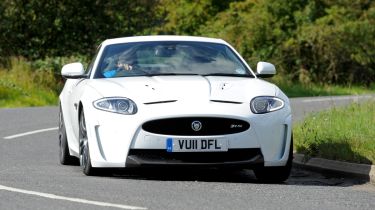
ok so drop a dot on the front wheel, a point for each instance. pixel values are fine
(276, 174)
(84, 152)
(64, 156)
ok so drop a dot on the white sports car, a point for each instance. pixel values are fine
(153, 101)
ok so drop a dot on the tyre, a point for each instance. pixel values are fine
(64, 156)
(84, 152)
(276, 174)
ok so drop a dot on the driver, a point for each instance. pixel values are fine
(124, 63)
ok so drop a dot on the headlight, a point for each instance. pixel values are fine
(265, 104)
(116, 105)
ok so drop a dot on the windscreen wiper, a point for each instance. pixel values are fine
(229, 75)
(170, 74)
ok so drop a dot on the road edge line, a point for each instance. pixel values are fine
(30, 133)
(76, 200)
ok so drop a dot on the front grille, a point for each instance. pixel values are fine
(232, 155)
(183, 126)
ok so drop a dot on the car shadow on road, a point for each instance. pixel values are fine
(186, 174)
(297, 177)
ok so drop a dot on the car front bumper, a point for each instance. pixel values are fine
(120, 141)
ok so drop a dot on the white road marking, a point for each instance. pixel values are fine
(76, 200)
(337, 98)
(31, 132)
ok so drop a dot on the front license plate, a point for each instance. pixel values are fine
(196, 145)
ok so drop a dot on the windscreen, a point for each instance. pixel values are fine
(169, 58)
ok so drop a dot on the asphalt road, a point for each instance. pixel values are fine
(32, 178)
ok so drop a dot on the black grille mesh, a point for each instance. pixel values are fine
(183, 126)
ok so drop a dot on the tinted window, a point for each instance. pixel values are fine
(158, 58)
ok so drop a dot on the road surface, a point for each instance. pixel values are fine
(32, 178)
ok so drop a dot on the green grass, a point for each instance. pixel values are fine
(27, 83)
(20, 86)
(346, 133)
(295, 89)
(299, 90)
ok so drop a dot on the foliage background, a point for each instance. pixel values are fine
(310, 41)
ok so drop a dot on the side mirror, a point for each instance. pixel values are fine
(265, 70)
(73, 71)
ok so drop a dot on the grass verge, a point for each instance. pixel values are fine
(20, 86)
(299, 90)
(37, 83)
(296, 89)
(346, 133)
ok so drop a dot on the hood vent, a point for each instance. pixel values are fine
(227, 102)
(159, 102)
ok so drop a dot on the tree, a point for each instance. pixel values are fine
(39, 28)
(185, 17)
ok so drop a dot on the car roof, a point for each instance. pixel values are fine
(162, 38)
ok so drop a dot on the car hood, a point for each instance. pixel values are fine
(184, 88)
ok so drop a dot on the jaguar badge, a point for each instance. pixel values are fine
(196, 125)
